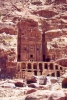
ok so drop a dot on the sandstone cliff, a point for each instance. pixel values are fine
(51, 16)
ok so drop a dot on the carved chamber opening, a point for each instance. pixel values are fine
(58, 73)
(51, 66)
(53, 74)
(29, 65)
(23, 66)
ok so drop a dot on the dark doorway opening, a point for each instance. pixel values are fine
(35, 72)
(40, 66)
(31, 56)
(48, 75)
(34, 66)
(51, 66)
(45, 66)
(60, 68)
(29, 70)
(29, 65)
(40, 72)
(43, 57)
(47, 59)
(58, 73)
(23, 66)
(52, 74)
(56, 67)
(18, 57)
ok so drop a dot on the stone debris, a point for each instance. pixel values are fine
(52, 90)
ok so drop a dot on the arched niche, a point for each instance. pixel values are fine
(51, 66)
(58, 73)
(23, 66)
(45, 66)
(29, 66)
(34, 66)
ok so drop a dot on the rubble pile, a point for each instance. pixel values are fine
(19, 89)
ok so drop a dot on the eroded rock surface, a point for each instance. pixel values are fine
(50, 16)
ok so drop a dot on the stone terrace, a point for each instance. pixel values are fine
(27, 69)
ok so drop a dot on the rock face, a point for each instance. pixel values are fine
(8, 46)
(47, 17)
(50, 16)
